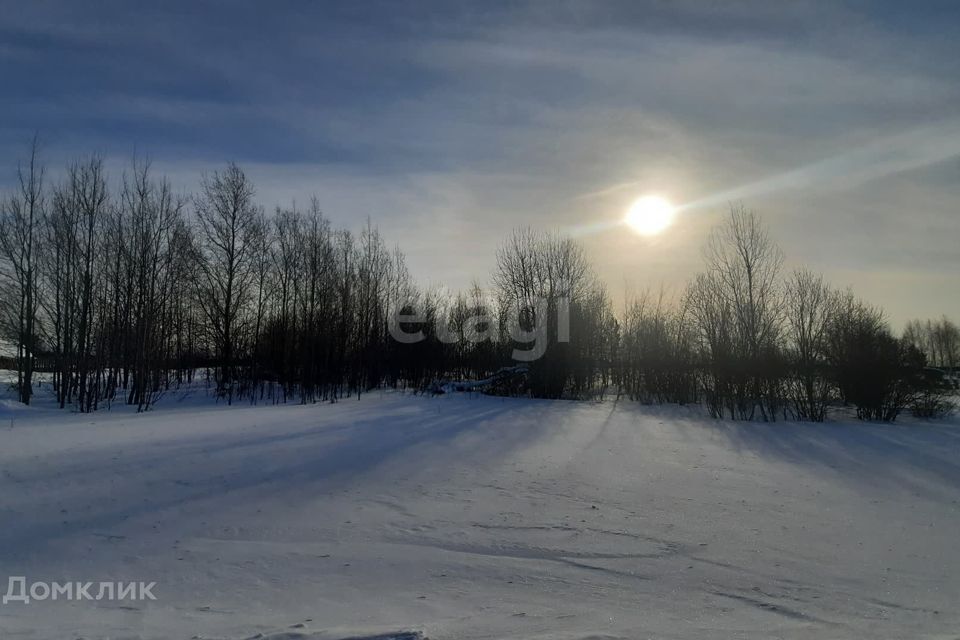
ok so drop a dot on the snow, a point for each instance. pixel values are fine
(475, 517)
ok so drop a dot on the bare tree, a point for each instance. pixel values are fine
(542, 273)
(20, 228)
(87, 194)
(154, 221)
(744, 267)
(810, 305)
(874, 371)
(656, 360)
(228, 223)
(939, 340)
(712, 316)
(287, 255)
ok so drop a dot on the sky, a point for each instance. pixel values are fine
(448, 124)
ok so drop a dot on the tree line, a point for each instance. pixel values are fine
(752, 342)
(124, 291)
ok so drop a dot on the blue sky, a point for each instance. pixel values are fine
(449, 123)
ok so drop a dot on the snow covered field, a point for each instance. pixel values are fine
(475, 517)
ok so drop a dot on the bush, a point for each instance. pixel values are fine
(873, 371)
(933, 396)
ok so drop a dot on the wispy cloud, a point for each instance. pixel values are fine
(449, 123)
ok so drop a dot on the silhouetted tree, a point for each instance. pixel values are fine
(229, 224)
(20, 230)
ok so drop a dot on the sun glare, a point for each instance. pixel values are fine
(649, 215)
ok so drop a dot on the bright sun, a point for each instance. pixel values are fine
(649, 215)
